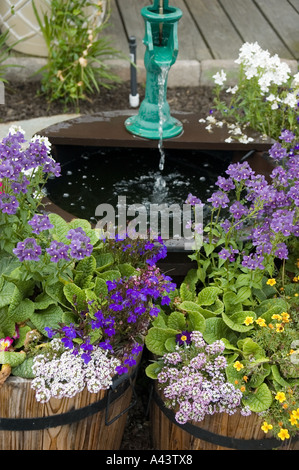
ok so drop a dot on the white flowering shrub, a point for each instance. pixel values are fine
(265, 99)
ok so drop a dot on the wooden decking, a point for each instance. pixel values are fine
(216, 29)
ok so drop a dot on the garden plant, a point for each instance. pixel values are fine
(265, 97)
(228, 341)
(77, 50)
(67, 295)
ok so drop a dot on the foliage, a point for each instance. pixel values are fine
(4, 54)
(265, 98)
(77, 50)
(61, 280)
(244, 294)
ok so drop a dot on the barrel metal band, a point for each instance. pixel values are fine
(217, 439)
(118, 387)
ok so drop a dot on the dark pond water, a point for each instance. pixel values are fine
(91, 177)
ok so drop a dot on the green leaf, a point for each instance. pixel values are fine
(260, 400)
(191, 279)
(7, 326)
(243, 294)
(242, 280)
(276, 305)
(127, 270)
(216, 329)
(153, 370)
(278, 378)
(86, 266)
(233, 375)
(12, 358)
(208, 295)
(252, 349)
(43, 301)
(100, 288)
(170, 344)
(103, 261)
(189, 306)
(110, 275)
(236, 321)
(50, 317)
(258, 376)
(24, 370)
(156, 337)
(55, 291)
(6, 294)
(76, 296)
(196, 322)
(60, 229)
(230, 304)
(177, 321)
(185, 292)
(22, 311)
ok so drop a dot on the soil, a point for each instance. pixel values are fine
(22, 102)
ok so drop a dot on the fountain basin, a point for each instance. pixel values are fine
(98, 148)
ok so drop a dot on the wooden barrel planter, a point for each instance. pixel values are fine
(85, 422)
(218, 432)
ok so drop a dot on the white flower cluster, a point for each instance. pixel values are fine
(269, 70)
(58, 373)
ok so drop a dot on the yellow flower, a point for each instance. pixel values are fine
(276, 317)
(296, 295)
(285, 317)
(266, 427)
(270, 326)
(238, 365)
(293, 420)
(245, 378)
(261, 322)
(283, 434)
(243, 388)
(280, 396)
(279, 327)
(271, 282)
(248, 320)
(295, 413)
(295, 279)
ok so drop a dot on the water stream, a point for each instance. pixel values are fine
(160, 190)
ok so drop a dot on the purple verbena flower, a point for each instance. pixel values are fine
(8, 204)
(28, 250)
(219, 199)
(39, 223)
(277, 152)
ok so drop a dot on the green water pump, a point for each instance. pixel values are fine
(161, 40)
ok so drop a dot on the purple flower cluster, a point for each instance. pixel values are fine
(28, 250)
(194, 383)
(80, 245)
(78, 248)
(18, 159)
(269, 208)
(137, 251)
(122, 317)
(40, 223)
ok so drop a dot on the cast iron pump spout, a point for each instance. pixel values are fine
(161, 42)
